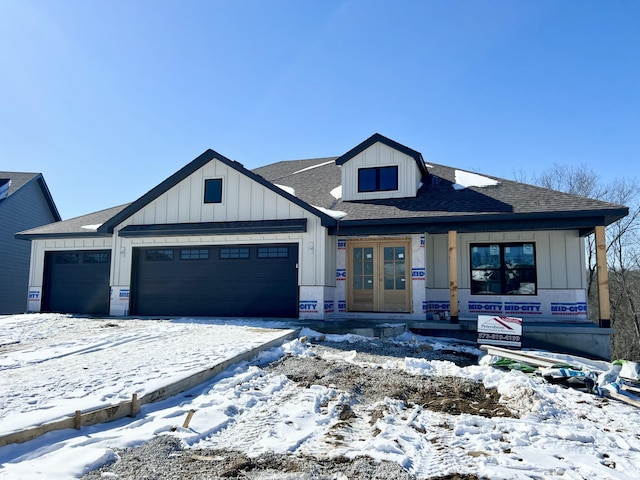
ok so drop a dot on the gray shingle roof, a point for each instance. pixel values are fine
(437, 207)
(20, 179)
(437, 201)
(74, 227)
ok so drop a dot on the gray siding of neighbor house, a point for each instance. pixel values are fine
(26, 208)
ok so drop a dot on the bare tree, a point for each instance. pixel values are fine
(623, 249)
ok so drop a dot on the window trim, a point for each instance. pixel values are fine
(378, 174)
(502, 269)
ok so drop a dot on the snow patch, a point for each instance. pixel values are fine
(92, 228)
(289, 190)
(337, 214)
(337, 192)
(468, 179)
(314, 166)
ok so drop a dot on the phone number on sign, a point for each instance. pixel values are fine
(499, 336)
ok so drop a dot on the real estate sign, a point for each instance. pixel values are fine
(498, 330)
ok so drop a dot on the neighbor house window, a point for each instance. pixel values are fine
(213, 190)
(378, 179)
(503, 269)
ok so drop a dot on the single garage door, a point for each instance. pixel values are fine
(77, 282)
(238, 280)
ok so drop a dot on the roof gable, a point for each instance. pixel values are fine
(376, 137)
(380, 168)
(16, 181)
(189, 169)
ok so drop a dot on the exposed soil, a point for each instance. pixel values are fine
(359, 374)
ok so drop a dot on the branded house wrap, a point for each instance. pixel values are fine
(376, 233)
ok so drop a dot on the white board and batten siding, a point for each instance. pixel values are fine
(380, 155)
(560, 257)
(242, 200)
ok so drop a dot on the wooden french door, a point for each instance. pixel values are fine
(378, 276)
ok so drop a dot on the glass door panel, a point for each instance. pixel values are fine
(394, 296)
(377, 276)
(362, 293)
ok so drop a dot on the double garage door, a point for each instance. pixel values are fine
(238, 280)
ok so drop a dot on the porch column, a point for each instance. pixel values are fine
(453, 275)
(603, 278)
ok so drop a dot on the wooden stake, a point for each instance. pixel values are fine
(135, 405)
(188, 419)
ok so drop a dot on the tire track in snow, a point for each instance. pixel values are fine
(269, 413)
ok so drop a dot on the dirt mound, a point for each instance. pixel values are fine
(367, 385)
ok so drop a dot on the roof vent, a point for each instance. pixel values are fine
(4, 188)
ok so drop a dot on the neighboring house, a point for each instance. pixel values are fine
(25, 202)
(373, 234)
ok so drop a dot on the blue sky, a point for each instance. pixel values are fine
(108, 98)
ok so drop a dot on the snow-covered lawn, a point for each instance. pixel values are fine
(52, 365)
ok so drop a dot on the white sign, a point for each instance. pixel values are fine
(498, 330)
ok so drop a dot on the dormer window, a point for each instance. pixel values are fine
(380, 169)
(378, 179)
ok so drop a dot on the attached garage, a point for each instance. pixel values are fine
(77, 282)
(230, 280)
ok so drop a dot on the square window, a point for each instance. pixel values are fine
(367, 180)
(503, 269)
(213, 190)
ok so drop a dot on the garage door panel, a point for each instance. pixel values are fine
(223, 281)
(77, 282)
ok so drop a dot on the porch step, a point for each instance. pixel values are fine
(359, 327)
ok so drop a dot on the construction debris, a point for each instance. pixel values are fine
(619, 381)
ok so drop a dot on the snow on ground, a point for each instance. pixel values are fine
(52, 365)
